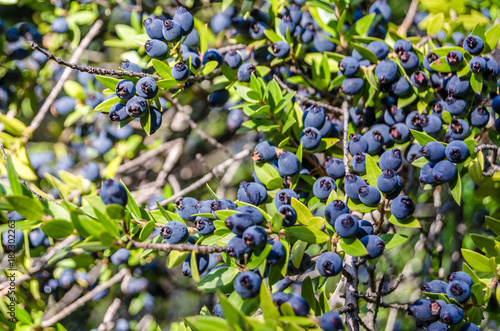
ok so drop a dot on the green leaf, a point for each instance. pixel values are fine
(245, 93)
(365, 52)
(363, 24)
(440, 65)
(404, 102)
(221, 279)
(195, 273)
(476, 167)
(109, 82)
(258, 257)
(456, 189)
(162, 69)
(476, 82)
(411, 222)
(14, 182)
(228, 72)
(477, 261)
(132, 206)
(276, 222)
(357, 205)
(203, 38)
(23, 316)
(73, 89)
(307, 292)
(146, 230)
(393, 240)
(486, 244)
(234, 316)
(422, 137)
(303, 213)
(167, 83)
(268, 175)
(105, 106)
(297, 252)
(310, 235)
(30, 208)
(435, 24)
(493, 224)
(209, 67)
(58, 228)
(353, 247)
(420, 162)
(492, 36)
(272, 36)
(268, 308)
(372, 170)
(212, 192)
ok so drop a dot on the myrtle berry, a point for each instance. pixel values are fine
(186, 207)
(477, 64)
(323, 187)
(379, 48)
(329, 264)
(120, 256)
(460, 275)
(322, 43)
(146, 88)
(479, 117)
(352, 86)
(458, 290)
(217, 311)
(264, 152)
(305, 263)
(492, 69)
(113, 192)
(212, 55)
(346, 225)
(402, 207)
(174, 232)
(286, 24)
(455, 106)
(314, 116)
(375, 141)
(357, 144)
(409, 60)
(426, 176)
(369, 195)
(156, 48)
(255, 237)
(334, 209)
(253, 213)
(220, 22)
(349, 66)
(459, 129)
(129, 66)
(65, 105)
(247, 284)
(386, 71)
(276, 254)
(59, 25)
(288, 163)
(431, 57)
(310, 138)
(202, 261)
(365, 228)
(331, 321)
(233, 59)
(454, 58)
(374, 246)
(424, 309)
(352, 185)
(118, 113)
(437, 326)
(434, 286)
(257, 29)
(380, 7)
(180, 71)
(172, 31)
(154, 28)
(358, 163)
(185, 19)
(469, 327)
(473, 44)
(237, 248)
(451, 314)
(299, 305)
(280, 49)
(457, 151)
(433, 151)
(419, 79)
(245, 71)
(125, 89)
(284, 197)
(402, 45)
(218, 98)
(289, 215)
(238, 223)
(390, 159)
(414, 153)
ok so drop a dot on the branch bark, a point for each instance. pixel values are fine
(410, 16)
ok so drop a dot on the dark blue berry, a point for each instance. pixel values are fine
(284, 197)
(310, 138)
(322, 43)
(204, 225)
(280, 49)
(186, 207)
(433, 151)
(458, 290)
(473, 44)
(137, 107)
(457, 151)
(369, 195)
(451, 314)
(289, 215)
(434, 286)
(374, 246)
(233, 59)
(314, 116)
(454, 58)
(388, 181)
(352, 185)
(365, 228)
(334, 209)
(218, 98)
(288, 163)
(386, 71)
(349, 66)
(245, 71)
(212, 55)
(154, 28)
(477, 64)
(172, 31)
(346, 225)
(255, 237)
(479, 117)
(59, 25)
(174, 232)
(331, 321)
(120, 256)
(323, 187)
(424, 309)
(146, 88)
(299, 305)
(113, 192)
(129, 66)
(118, 113)
(329, 264)
(460, 275)
(334, 167)
(419, 79)
(357, 144)
(238, 223)
(352, 86)
(253, 213)
(375, 141)
(379, 48)
(402, 207)
(409, 60)
(257, 29)
(247, 284)
(180, 71)
(400, 133)
(276, 254)
(459, 129)
(390, 159)
(402, 45)
(264, 152)
(185, 19)
(358, 163)
(156, 48)
(91, 171)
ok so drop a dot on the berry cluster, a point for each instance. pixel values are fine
(439, 315)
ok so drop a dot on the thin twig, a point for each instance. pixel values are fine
(35, 123)
(345, 112)
(205, 179)
(410, 17)
(80, 302)
(107, 323)
(179, 247)
(335, 110)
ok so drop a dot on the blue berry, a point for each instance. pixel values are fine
(400, 132)
(374, 246)
(286, 24)
(358, 163)
(323, 187)
(238, 223)
(459, 129)
(469, 327)
(388, 182)
(479, 117)
(217, 311)
(460, 275)
(352, 86)
(322, 43)
(414, 153)
(59, 25)
(233, 59)
(357, 144)
(426, 176)
(409, 60)
(331, 321)
(431, 57)
(204, 225)
(299, 305)
(212, 55)
(129, 66)
(255, 237)
(380, 7)
(218, 98)
(146, 88)
(12, 34)
(402, 45)
(120, 256)
(433, 151)
(137, 107)
(456, 106)
(352, 185)
(186, 207)
(65, 105)
(113, 192)
(91, 171)
(257, 29)
(369, 195)
(156, 48)
(457, 86)
(419, 79)
(390, 159)
(457, 151)
(379, 48)
(451, 314)
(349, 66)
(454, 58)
(346, 225)
(458, 290)
(280, 49)
(492, 69)
(289, 215)
(180, 71)
(495, 104)
(310, 138)
(264, 152)
(202, 261)
(185, 19)
(220, 22)
(237, 248)
(477, 65)
(365, 228)
(334, 209)
(402, 207)
(118, 113)
(307, 33)
(434, 286)
(234, 119)
(473, 44)
(247, 284)
(154, 28)
(386, 71)
(329, 264)
(424, 309)
(37, 237)
(174, 232)
(252, 193)
(314, 116)
(284, 197)
(172, 31)
(375, 141)
(288, 163)
(276, 254)
(245, 71)
(253, 213)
